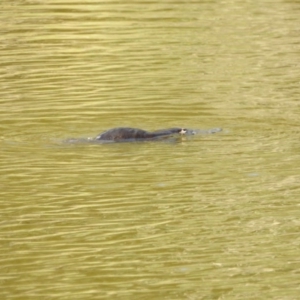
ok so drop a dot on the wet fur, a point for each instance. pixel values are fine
(127, 133)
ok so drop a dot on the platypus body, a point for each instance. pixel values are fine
(128, 133)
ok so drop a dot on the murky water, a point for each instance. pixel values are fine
(203, 217)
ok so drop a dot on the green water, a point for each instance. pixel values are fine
(206, 217)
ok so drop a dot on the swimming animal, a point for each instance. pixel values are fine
(128, 133)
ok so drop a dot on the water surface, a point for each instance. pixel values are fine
(203, 217)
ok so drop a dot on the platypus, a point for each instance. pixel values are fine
(128, 133)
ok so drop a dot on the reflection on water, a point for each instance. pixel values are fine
(204, 217)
